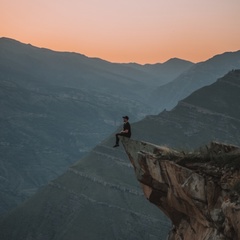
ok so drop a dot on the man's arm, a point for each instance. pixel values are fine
(126, 128)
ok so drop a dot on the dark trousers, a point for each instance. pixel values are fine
(121, 134)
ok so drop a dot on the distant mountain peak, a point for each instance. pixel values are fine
(176, 60)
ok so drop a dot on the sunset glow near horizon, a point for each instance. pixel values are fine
(141, 31)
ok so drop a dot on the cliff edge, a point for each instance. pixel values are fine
(199, 191)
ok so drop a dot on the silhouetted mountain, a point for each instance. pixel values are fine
(98, 196)
(55, 107)
(164, 73)
(199, 75)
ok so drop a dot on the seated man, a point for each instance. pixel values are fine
(126, 132)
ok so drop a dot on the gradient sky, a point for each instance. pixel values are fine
(142, 31)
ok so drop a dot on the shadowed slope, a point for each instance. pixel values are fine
(198, 76)
(96, 198)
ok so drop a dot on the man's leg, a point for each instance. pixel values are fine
(117, 140)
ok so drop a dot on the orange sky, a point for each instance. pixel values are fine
(142, 31)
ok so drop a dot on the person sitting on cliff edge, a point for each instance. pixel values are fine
(126, 132)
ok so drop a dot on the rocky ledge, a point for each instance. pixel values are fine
(199, 191)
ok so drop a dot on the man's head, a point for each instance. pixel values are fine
(125, 118)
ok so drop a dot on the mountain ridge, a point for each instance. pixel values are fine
(7, 40)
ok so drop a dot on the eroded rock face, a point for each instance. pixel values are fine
(198, 191)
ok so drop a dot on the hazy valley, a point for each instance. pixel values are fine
(56, 106)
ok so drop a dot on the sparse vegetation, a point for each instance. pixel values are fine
(219, 155)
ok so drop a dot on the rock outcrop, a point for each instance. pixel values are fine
(198, 191)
